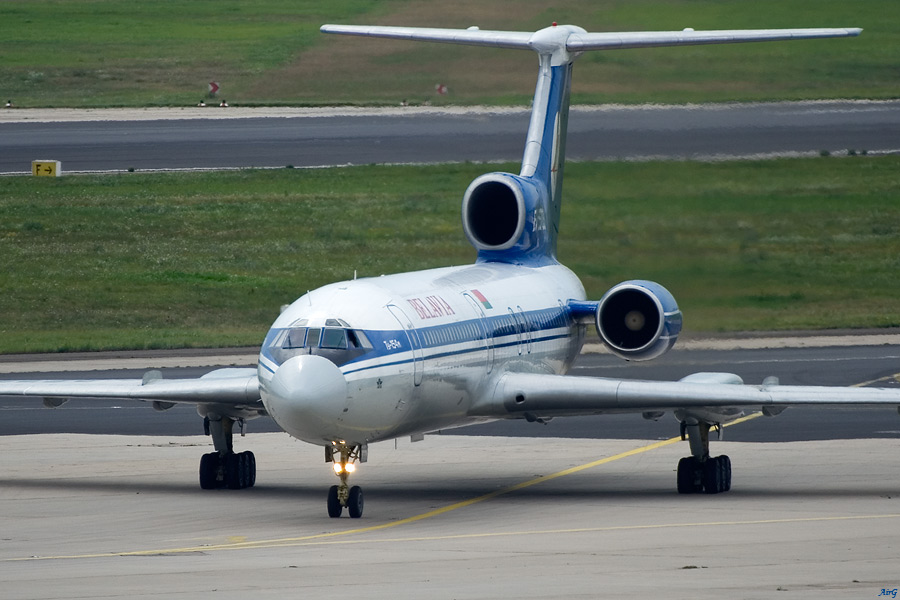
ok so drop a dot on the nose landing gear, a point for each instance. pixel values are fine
(342, 496)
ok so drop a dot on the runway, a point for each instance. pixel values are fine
(117, 140)
(538, 512)
(449, 517)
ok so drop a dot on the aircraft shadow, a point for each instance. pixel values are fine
(452, 492)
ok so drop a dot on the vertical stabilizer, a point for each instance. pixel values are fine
(515, 218)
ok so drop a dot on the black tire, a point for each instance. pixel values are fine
(251, 468)
(712, 476)
(235, 471)
(687, 476)
(725, 467)
(334, 505)
(209, 471)
(355, 502)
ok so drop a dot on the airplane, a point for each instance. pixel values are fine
(372, 359)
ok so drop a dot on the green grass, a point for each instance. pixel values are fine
(180, 260)
(87, 53)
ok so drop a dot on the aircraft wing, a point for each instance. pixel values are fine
(232, 387)
(543, 396)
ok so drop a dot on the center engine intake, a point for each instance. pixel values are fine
(504, 217)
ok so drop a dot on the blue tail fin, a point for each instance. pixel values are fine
(515, 218)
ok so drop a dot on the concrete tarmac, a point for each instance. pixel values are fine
(85, 516)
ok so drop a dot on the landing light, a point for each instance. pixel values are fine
(350, 468)
(338, 468)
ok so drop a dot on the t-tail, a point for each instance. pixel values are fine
(515, 218)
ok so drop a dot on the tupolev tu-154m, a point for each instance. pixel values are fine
(373, 359)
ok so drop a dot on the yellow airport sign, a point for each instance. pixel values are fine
(46, 168)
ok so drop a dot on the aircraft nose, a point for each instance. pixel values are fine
(307, 396)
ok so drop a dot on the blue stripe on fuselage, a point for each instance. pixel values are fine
(464, 337)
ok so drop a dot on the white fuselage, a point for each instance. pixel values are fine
(421, 347)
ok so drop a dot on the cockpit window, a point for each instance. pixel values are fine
(334, 338)
(357, 339)
(296, 338)
(336, 342)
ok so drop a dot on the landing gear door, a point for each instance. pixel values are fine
(412, 337)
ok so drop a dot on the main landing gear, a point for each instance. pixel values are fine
(343, 496)
(224, 467)
(701, 472)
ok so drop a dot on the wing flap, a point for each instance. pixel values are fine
(518, 394)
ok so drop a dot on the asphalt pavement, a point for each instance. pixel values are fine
(120, 140)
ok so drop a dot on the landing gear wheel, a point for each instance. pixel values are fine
(224, 468)
(700, 472)
(234, 472)
(355, 502)
(240, 470)
(209, 471)
(251, 466)
(334, 504)
(725, 469)
(689, 481)
(344, 458)
(717, 475)
(712, 476)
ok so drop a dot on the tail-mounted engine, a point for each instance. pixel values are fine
(638, 320)
(505, 218)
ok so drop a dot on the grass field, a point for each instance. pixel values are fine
(174, 260)
(163, 52)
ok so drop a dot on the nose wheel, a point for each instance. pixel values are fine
(344, 496)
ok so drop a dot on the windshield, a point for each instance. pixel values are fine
(340, 345)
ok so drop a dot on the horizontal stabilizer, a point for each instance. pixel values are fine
(577, 40)
(469, 37)
(688, 37)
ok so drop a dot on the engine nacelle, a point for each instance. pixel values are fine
(505, 219)
(638, 320)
